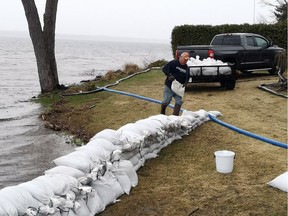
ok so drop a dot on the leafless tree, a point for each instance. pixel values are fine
(43, 40)
(278, 11)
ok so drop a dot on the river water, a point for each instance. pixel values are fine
(27, 147)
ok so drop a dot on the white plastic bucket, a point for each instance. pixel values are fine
(224, 161)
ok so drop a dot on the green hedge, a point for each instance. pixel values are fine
(203, 34)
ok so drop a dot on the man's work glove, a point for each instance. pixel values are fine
(171, 77)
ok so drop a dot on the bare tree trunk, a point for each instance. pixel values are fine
(43, 42)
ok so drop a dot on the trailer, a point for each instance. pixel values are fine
(225, 74)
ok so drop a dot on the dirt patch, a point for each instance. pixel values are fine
(183, 179)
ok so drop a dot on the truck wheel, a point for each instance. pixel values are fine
(230, 84)
(222, 83)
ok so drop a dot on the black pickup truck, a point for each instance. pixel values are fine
(246, 51)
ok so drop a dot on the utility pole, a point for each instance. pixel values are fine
(254, 13)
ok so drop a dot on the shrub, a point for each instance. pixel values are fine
(158, 63)
(131, 68)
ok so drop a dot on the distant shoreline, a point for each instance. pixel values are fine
(25, 34)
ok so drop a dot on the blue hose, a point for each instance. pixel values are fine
(134, 95)
(247, 133)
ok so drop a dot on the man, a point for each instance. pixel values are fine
(175, 70)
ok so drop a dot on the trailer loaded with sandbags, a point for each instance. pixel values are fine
(211, 70)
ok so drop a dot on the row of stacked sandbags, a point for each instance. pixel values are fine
(95, 175)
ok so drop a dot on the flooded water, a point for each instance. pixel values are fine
(27, 147)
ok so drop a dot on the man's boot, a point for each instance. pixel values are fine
(177, 109)
(163, 109)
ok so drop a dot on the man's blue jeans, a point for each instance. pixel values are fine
(168, 95)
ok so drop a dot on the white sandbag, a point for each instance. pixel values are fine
(129, 154)
(59, 202)
(156, 121)
(131, 139)
(7, 208)
(59, 183)
(135, 159)
(78, 160)
(181, 123)
(122, 178)
(150, 125)
(163, 119)
(135, 129)
(137, 166)
(175, 120)
(190, 118)
(82, 210)
(195, 71)
(155, 146)
(190, 113)
(178, 88)
(215, 113)
(95, 153)
(150, 155)
(110, 135)
(203, 114)
(94, 203)
(145, 150)
(174, 138)
(225, 70)
(107, 188)
(39, 192)
(102, 143)
(130, 134)
(20, 198)
(154, 128)
(280, 182)
(209, 71)
(76, 173)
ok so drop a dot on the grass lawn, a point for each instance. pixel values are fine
(183, 180)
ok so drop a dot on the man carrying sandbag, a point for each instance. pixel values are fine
(175, 82)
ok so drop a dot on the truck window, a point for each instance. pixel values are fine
(217, 40)
(231, 40)
(261, 42)
(250, 41)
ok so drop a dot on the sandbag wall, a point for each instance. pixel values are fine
(93, 176)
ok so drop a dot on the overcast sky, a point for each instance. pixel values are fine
(136, 18)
